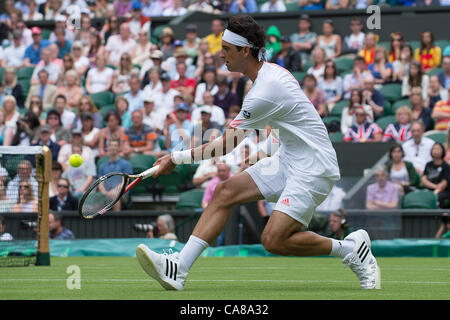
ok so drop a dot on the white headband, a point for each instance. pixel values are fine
(240, 41)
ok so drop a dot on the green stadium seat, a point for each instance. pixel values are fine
(111, 66)
(420, 199)
(435, 71)
(385, 44)
(383, 122)
(299, 75)
(25, 73)
(25, 87)
(442, 44)
(414, 44)
(191, 199)
(344, 73)
(399, 103)
(139, 164)
(105, 109)
(155, 38)
(387, 108)
(307, 64)
(338, 107)
(292, 6)
(173, 180)
(336, 137)
(344, 64)
(2, 72)
(161, 142)
(392, 91)
(436, 136)
(103, 98)
(46, 33)
(330, 119)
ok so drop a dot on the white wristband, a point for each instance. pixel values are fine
(182, 157)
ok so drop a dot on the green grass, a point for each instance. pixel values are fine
(230, 278)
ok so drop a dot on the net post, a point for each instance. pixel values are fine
(43, 174)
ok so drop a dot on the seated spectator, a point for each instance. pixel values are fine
(401, 65)
(68, 149)
(33, 51)
(418, 109)
(58, 134)
(87, 105)
(140, 52)
(318, 67)
(122, 8)
(115, 163)
(11, 115)
(44, 133)
(224, 97)
(164, 100)
(208, 84)
(49, 62)
(330, 42)
(381, 68)
(273, 6)
(94, 48)
(348, 116)
(26, 201)
(67, 116)
(304, 41)
(4, 236)
(395, 46)
(124, 112)
(113, 130)
(122, 76)
(89, 132)
(12, 87)
(201, 5)
(441, 114)
(243, 6)
(421, 3)
(63, 201)
(383, 194)
(418, 149)
(154, 83)
(184, 84)
(119, 44)
(167, 45)
(80, 178)
(368, 51)
(99, 79)
(336, 4)
(81, 63)
(354, 80)
(44, 90)
(428, 54)
(223, 174)
(436, 175)
(110, 28)
(273, 43)
(400, 130)
(139, 138)
(6, 133)
(67, 64)
(15, 53)
(176, 9)
(24, 170)
(338, 225)
(57, 171)
(363, 130)
(178, 134)
(353, 42)
(26, 130)
(331, 84)
(166, 228)
(152, 118)
(401, 172)
(71, 90)
(56, 229)
(435, 92)
(64, 45)
(415, 78)
(444, 76)
(287, 57)
(310, 4)
(206, 130)
(135, 97)
(218, 115)
(180, 55)
(315, 95)
(60, 24)
(372, 96)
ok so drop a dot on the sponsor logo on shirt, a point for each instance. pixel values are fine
(246, 114)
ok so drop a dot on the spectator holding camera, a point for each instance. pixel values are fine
(166, 228)
(442, 233)
(338, 225)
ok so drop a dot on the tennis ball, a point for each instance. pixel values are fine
(75, 160)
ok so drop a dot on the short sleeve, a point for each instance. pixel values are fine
(255, 114)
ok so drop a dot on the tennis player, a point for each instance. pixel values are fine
(298, 177)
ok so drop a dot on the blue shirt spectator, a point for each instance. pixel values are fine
(117, 165)
(249, 6)
(377, 74)
(66, 48)
(33, 51)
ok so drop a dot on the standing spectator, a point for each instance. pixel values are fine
(215, 37)
(137, 21)
(315, 95)
(418, 109)
(99, 78)
(71, 91)
(368, 51)
(331, 84)
(354, 42)
(418, 149)
(113, 130)
(139, 138)
(372, 96)
(348, 116)
(401, 65)
(217, 114)
(56, 229)
(273, 6)
(381, 68)
(52, 69)
(135, 97)
(415, 78)
(208, 84)
(11, 86)
(26, 201)
(363, 130)
(435, 92)
(401, 172)
(114, 164)
(441, 114)
(33, 51)
(122, 7)
(400, 131)
(43, 135)
(330, 42)
(304, 41)
(318, 61)
(15, 53)
(428, 54)
(201, 5)
(287, 57)
(24, 170)
(164, 103)
(436, 175)
(178, 134)
(383, 194)
(354, 80)
(63, 201)
(224, 97)
(444, 76)
(119, 44)
(396, 46)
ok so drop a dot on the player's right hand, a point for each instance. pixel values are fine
(166, 165)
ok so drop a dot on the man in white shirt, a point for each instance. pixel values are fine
(217, 114)
(52, 69)
(24, 170)
(152, 118)
(273, 6)
(66, 150)
(67, 116)
(418, 149)
(135, 97)
(60, 23)
(13, 55)
(119, 44)
(164, 103)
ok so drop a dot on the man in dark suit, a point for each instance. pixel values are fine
(63, 200)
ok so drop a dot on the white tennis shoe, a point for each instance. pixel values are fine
(164, 268)
(362, 262)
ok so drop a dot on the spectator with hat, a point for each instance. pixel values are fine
(287, 57)
(178, 134)
(179, 56)
(205, 130)
(137, 21)
(167, 40)
(217, 114)
(164, 100)
(304, 41)
(152, 118)
(155, 60)
(190, 44)
(45, 132)
(33, 51)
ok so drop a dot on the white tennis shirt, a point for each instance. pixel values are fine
(276, 99)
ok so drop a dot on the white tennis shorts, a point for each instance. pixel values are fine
(296, 194)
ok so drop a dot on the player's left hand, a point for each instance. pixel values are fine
(166, 165)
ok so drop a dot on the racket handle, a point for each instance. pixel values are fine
(148, 173)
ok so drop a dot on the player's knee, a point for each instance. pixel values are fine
(224, 194)
(273, 244)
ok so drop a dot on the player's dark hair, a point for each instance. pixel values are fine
(247, 27)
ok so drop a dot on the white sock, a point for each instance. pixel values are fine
(340, 248)
(191, 251)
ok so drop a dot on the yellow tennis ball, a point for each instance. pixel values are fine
(75, 160)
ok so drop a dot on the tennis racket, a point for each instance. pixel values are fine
(107, 190)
